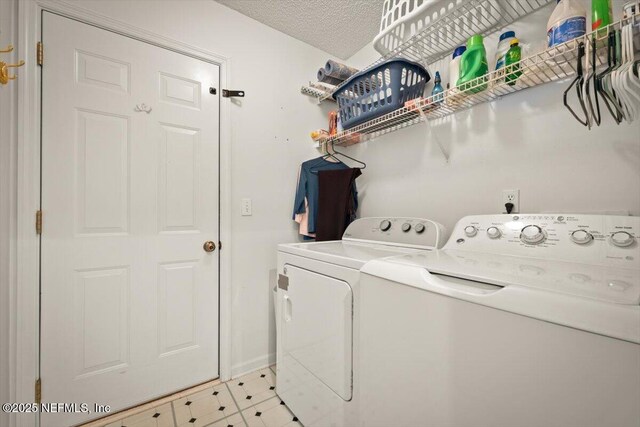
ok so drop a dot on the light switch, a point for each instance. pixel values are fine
(246, 207)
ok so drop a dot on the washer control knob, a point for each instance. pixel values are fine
(385, 225)
(406, 227)
(494, 232)
(419, 228)
(532, 234)
(622, 239)
(470, 230)
(581, 237)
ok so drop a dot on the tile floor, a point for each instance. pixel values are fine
(248, 401)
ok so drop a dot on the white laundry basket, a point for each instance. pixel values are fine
(402, 19)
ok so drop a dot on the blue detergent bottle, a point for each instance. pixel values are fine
(437, 89)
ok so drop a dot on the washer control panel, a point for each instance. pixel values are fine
(400, 231)
(596, 239)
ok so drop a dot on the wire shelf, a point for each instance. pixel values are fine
(443, 33)
(553, 64)
(437, 40)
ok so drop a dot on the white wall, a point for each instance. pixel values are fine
(525, 141)
(8, 159)
(270, 129)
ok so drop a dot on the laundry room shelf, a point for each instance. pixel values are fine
(450, 30)
(443, 32)
(553, 64)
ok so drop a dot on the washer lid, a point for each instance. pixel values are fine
(344, 253)
(589, 309)
(605, 283)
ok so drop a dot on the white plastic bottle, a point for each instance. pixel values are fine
(503, 47)
(568, 21)
(454, 65)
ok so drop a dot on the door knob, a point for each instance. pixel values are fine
(209, 246)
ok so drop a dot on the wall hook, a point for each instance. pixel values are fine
(142, 108)
(7, 50)
(4, 71)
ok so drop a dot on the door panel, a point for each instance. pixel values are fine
(102, 72)
(176, 296)
(103, 150)
(178, 190)
(129, 301)
(101, 346)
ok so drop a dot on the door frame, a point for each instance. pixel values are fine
(27, 351)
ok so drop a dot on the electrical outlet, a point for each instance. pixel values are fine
(246, 207)
(511, 196)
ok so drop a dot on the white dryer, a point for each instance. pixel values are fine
(317, 304)
(519, 321)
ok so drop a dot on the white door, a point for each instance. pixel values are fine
(129, 296)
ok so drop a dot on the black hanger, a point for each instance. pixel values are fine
(577, 82)
(332, 155)
(363, 165)
(592, 77)
(611, 65)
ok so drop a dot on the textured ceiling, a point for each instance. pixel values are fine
(339, 27)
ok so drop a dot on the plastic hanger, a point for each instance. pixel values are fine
(608, 79)
(363, 165)
(329, 154)
(601, 84)
(628, 82)
(584, 83)
(577, 82)
(595, 113)
(626, 105)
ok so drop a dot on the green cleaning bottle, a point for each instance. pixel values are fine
(512, 62)
(600, 14)
(473, 65)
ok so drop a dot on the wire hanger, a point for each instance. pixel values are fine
(363, 165)
(577, 82)
(330, 154)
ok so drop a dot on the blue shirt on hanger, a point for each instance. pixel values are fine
(308, 187)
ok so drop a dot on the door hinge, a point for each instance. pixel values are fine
(227, 93)
(39, 222)
(40, 53)
(38, 391)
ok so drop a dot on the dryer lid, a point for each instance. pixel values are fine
(344, 253)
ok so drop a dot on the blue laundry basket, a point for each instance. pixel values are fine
(379, 90)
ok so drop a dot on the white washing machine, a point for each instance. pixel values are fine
(519, 321)
(317, 306)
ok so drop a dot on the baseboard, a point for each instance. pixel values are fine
(253, 364)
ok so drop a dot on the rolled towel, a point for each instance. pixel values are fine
(322, 77)
(339, 71)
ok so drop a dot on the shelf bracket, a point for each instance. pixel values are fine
(431, 133)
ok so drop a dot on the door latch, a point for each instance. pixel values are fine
(283, 282)
(227, 93)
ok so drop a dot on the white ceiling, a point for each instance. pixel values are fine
(339, 27)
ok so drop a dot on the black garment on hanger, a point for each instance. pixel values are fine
(336, 207)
